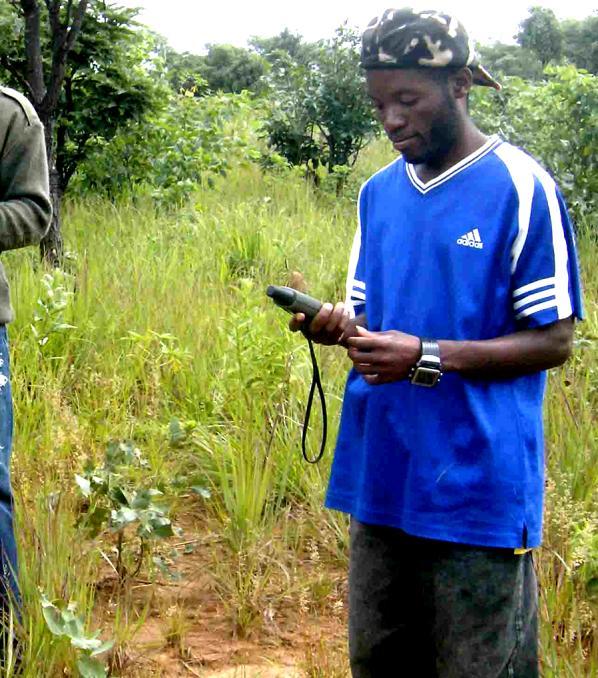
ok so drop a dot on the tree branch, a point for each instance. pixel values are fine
(75, 28)
(17, 73)
(33, 51)
(63, 39)
(53, 14)
(69, 7)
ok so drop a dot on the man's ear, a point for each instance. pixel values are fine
(462, 82)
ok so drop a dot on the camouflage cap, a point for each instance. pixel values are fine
(403, 38)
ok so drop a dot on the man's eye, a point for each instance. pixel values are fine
(408, 101)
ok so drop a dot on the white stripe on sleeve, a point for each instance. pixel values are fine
(353, 260)
(561, 255)
(551, 303)
(545, 294)
(545, 282)
(523, 169)
(523, 179)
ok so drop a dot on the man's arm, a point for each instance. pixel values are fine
(382, 357)
(512, 355)
(25, 208)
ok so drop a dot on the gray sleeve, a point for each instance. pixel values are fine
(25, 207)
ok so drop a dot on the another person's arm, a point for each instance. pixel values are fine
(25, 208)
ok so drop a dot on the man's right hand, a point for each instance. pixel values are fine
(327, 327)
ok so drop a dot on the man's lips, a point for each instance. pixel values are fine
(400, 144)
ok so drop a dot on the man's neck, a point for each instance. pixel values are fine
(469, 141)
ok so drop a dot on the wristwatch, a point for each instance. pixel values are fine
(428, 369)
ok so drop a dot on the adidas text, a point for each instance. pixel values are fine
(470, 243)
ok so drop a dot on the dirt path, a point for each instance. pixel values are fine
(185, 627)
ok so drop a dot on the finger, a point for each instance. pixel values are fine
(372, 379)
(321, 318)
(377, 379)
(365, 357)
(363, 368)
(343, 327)
(363, 343)
(296, 322)
(335, 317)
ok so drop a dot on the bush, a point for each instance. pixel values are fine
(170, 152)
(320, 114)
(556, 121)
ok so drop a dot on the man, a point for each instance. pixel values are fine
(25, 213)
(463, 266)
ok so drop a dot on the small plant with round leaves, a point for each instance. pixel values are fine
(118, 499)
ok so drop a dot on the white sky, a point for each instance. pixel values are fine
(189, 24)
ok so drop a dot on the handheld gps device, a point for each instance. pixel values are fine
(293, 301)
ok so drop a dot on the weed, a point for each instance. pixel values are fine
(118, 502)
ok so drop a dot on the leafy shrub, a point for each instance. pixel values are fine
(171, 152)
(118, 501)
(50, 323)
(556, 121)
(319, 112)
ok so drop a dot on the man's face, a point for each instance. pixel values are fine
(418, 112)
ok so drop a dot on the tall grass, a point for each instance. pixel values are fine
(161, 332)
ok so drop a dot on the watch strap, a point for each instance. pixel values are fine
(430, 348)
(429, 364)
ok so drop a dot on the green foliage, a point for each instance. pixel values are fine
(109, 80)
(225, 68)
(319, 113)
(232, 69)
(63, 622)
(541, 33)
(285, 46)
(184, 71)
(288, 127)
(555, 121)
(501, 60)
(118, 500)
(580, 42)
(543, 39)
(49, 321)
(170, 152)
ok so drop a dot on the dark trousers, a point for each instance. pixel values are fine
(427, 609)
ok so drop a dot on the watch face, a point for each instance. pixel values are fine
(425, 376)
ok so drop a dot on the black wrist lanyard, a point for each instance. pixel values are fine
(316, 383)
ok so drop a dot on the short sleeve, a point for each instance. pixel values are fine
(356, 286)
(545, 272)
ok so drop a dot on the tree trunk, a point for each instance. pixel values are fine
(51, 247)
(46, 91)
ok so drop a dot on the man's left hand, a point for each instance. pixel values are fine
(382, 357)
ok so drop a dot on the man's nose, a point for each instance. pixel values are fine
(394, 120)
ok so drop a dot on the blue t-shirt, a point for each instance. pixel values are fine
(481, 251)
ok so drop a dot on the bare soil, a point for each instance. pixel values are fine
(185, 628)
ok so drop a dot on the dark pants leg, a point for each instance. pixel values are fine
(9, 590)
(450, 610)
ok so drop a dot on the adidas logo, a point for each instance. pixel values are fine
(471, 239)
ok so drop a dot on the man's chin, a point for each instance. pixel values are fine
(413, 158)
